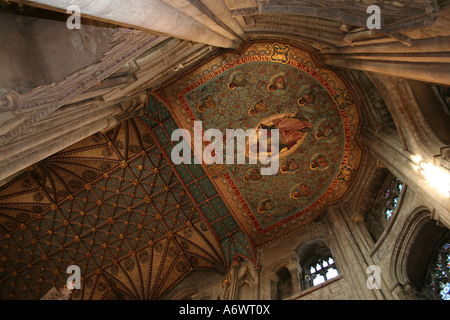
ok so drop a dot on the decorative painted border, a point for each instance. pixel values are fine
(295, 57)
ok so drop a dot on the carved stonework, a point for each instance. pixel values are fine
(397, 17)
(132, 109)
(38, 103)
(246, 278)
(443, 159)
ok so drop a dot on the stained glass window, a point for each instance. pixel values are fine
(439, 272)
(391, 198)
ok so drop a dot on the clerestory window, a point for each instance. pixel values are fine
(391, 197)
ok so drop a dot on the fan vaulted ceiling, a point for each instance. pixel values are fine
(110, 204)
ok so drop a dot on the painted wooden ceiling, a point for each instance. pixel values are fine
(112, 205)
(137, 224)
(272, 85)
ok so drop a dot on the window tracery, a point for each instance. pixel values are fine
(324, 269)
(439, 271)
(391, 198)
(317, 264)
(386, 200)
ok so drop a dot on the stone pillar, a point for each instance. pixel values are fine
(234, 273)
(350, 258)
(147, 15)
(427, 72)
(410, 292)
(423, 61)
(202, 13)
(293, 270)
(220, 9)
(257, 269)
(403, 292)
(273, 286)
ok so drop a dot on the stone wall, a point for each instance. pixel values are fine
(352, 248)
(41, 51)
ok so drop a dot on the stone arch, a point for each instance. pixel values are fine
(280, 281)
(420, 232)
(376, 220)
(310, 254)
(408, 114)
(421, 256)
(320, 233)
(416, 219)
(280, 265)
(284, 283)
(374, 110)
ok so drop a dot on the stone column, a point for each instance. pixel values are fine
(257, 269)
(147, 15)
(221, 11)
(425, 60)
(202, 13)
(350, 258)
(293, 270)
(427, 72)
(403, 292)
(234, 273)
(273, 286)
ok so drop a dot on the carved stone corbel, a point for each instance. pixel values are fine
(133, 109)
(443, 159)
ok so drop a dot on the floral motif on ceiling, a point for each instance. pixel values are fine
(272, 85)
(112, 205)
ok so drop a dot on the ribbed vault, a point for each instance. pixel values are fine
(110, 204)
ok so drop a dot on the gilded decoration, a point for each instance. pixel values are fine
(275, 86)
